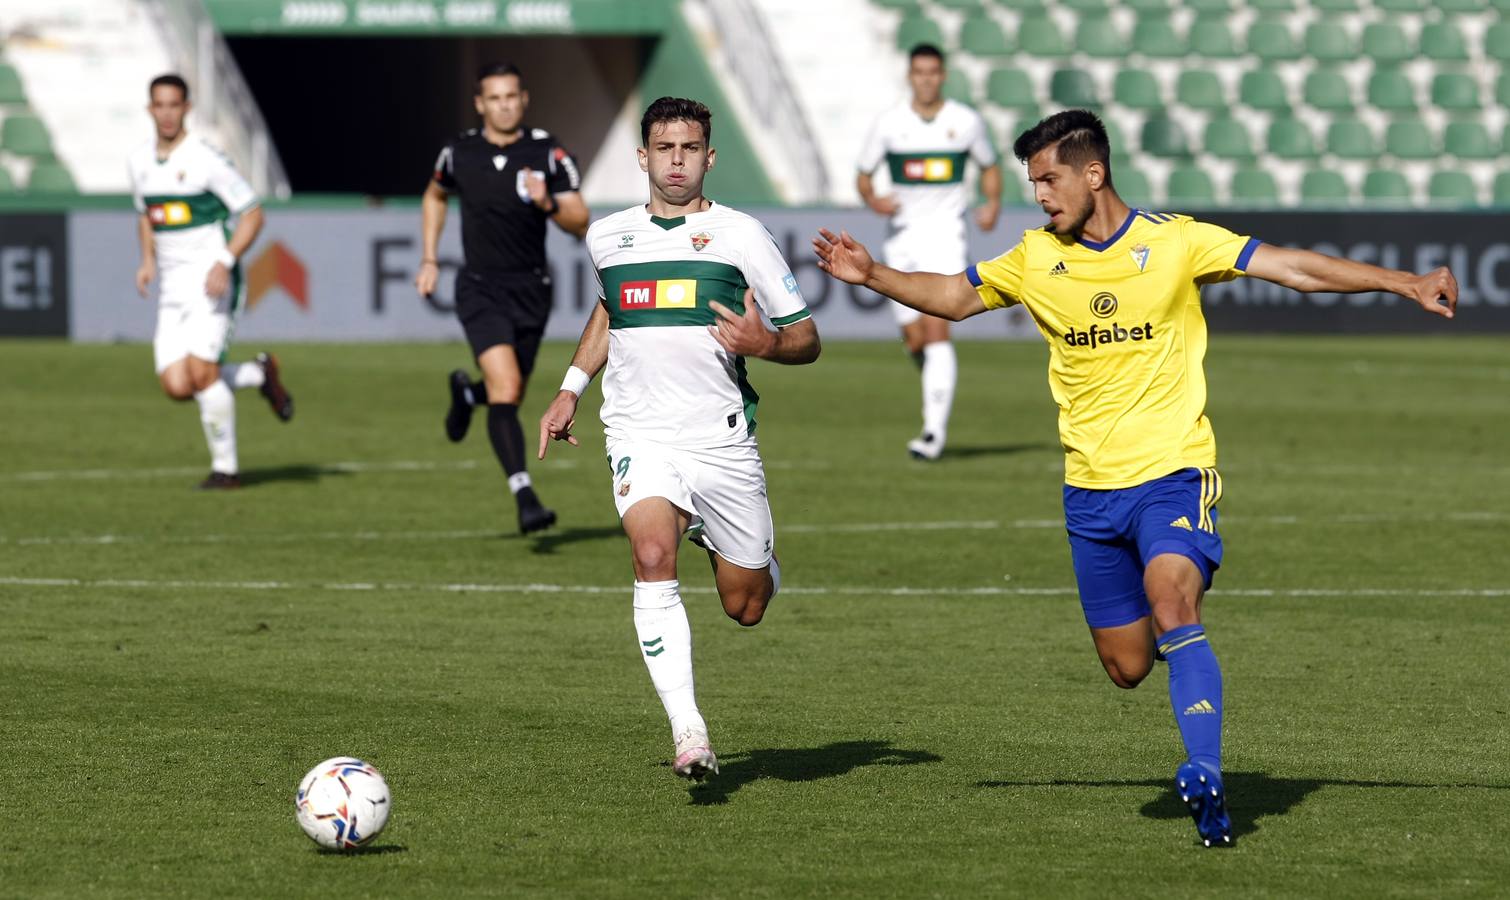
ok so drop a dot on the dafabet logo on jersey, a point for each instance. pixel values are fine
(933, 168)
(668, 293)
(174, 212)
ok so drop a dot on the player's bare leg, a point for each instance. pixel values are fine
(745, 593)
(505, 387)
(199, 380)
(927, 340)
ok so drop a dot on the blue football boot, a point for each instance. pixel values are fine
(1201, 789)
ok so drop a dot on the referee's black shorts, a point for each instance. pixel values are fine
(504, 308)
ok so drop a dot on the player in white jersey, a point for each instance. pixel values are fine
(925, 143)
(187, 193)
(682, 282)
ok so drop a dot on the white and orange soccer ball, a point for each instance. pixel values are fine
(342, 803)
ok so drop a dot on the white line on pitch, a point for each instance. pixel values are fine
(335, 468)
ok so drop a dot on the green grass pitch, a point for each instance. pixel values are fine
(920, 714)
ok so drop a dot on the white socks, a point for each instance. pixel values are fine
(242, 375)
(665, 641)
(217, 412)
(940, 370)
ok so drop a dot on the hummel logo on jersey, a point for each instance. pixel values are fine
(668, 293)
(1181, 522)
(626, 240)
(1059, 269)
(500, 161)
(1202, 707)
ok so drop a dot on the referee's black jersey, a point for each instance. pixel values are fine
(501, 230)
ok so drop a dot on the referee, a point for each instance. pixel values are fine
(511, 179)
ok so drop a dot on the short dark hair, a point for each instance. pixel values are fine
(496, 69)
(676, 109)
(1077, 134)
(170, 80)
(925, 50)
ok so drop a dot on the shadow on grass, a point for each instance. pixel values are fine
(305, 473)
(807, 764)
(547, 542)
(1250, 795)
(968, 452)
(375, 850)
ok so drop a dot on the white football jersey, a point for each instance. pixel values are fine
(667, 379)
(926, 160)
(188, 197)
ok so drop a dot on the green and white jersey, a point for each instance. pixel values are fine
(189, 196)
(926, 160)
(667, 379)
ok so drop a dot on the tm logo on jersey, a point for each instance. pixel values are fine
(668, 293)
(172, 213)
(931, 168)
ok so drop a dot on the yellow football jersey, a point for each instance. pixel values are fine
(1126, 339)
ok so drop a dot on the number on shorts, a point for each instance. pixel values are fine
(623, 468)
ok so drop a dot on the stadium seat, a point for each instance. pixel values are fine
(1200, 89)
(1401, 5)
(957, 87)
(1442, 41)
(1189, 185)
(1086, 6)
(1452, 189)
(1349, 137)
(1227, 138)
(1074, 88)
(1468, 139)
(916, 28)
(1502, 88)
(1497, 41)
(49, 177)
(10, 86)
(1289, 138)
(1409, 138)
(1039, 36)
(1254, 187)
(1209, 6)
(1324, 187)
(1327, 41)
(1137, 89)
(1502, 189)
(25, 135)
(1263, 89)
(1155, 37)
(967, 6)
(1132, 186)
(1385, 42)
(1147, 6)
(904, 5)
(1461, 6)
(1272, 40)
(1385, 187)
(1327, 89)
(1391, 90)
(1272, 5)
(1335, 6)
(1165, 138)
(1011, 88)
(1035, 7)
(1115, 137)
(1210, 37)
(982, 36)
(1098, 37)
(7, 184)
(1505, 139)
(1454, 90)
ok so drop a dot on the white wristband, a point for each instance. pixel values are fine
(575, 381)
(227, 259)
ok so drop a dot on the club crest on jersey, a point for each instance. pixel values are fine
(667, 293)
(1140, 256)
(701, 240)
(500, 161)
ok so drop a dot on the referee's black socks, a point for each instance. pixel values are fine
(508, 441)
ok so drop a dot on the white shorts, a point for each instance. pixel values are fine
(190, 323)
(722, 486)
(935, 248)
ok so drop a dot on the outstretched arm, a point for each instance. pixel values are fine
(1309, 272)
(949, 297)
(591, 356)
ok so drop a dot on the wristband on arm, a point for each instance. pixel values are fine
(576, 381)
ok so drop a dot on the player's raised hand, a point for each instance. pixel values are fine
(218, 281)
(742, 335)
(1437, 292)
(556, 424)
(144, 275)
(842, 256)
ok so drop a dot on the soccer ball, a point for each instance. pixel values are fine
(342, 803)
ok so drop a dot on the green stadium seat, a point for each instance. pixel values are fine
(1189, 185)
(1385, 42)
(1335, 6)
(1210, 37)
(1137, 89)
(1502, 189)
(1327, 89)
(1401, 5)
(1254, 187)
(1098, 37)
(1324, 187)
(1163, 137)
(1452, 189)
(7, 184)
(1155, 37)
(967, 6)
(1409, 138)
(1272, 5)
(1227, 138)
(24, 135)
(904, 5)
(1263, 89)
(1147, 6)
(1455, 90)
(916, 28)
(1391, 90)
(1289, 138)
(1086, 6)
(1384, 187)
(1114, 136)
(1443, 42)
(1209, 6)
(1271, 40)
(1468, 139)
(1039, 36)
(1327, 41)
(1033, 7)
(1011, 88)
(983, 36)
(1505, 139)
(957, 87)
(1502, 88)
(49, 176)
(1132, 186)
(1497, 41)
(1461, 6)
(1074, 88)
(1200, 89)
(1349, 137)
(11, 91)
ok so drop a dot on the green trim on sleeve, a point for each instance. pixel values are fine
(794, 318)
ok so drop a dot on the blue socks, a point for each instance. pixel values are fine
(1195, 692)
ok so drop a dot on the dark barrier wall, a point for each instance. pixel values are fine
(1476, 247)
(34, 275)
